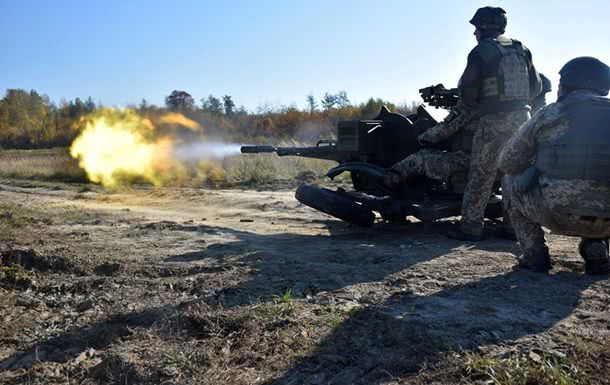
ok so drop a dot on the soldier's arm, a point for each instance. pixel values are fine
(449, 127)
(520, 151)
(535, 80)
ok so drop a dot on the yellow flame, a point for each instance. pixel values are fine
(174, 118)
(119, 146)
(116, 145)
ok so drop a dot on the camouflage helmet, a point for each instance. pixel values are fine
(586, 72)
(490, 18)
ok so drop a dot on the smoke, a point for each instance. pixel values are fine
(205, 151)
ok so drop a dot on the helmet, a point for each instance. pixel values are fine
(490, 18)
(586, 72)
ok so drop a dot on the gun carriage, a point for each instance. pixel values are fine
(366, 149)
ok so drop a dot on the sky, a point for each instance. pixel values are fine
(271, 53)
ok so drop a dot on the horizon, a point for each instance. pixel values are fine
(271, 53)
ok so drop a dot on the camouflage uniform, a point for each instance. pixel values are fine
(444, 166)
(500, 91)
(493, 131)
(572, 207)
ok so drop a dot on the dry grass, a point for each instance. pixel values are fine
(268, 168)
(545, 369)
(49, 164)
(254, 169)
(14, 217)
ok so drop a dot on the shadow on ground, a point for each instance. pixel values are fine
(383, 339)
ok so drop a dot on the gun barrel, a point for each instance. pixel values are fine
(256, 149)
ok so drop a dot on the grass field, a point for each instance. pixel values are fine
(57, 165)
(53, 164)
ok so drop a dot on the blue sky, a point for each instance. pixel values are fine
(271, 52)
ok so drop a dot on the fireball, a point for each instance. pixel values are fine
(119, 145)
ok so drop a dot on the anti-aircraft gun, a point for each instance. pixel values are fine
(366, 149)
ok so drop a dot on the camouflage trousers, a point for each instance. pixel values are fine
(493, 131)
(435, 164)
(528, 212)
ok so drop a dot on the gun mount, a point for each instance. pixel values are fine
(365, 149)
(382, 141)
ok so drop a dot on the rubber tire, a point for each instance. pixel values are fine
(336, 204)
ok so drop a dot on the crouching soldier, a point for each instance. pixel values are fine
(558, 167)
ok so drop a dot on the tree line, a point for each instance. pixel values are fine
(31, 120)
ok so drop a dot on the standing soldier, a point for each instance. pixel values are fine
(498, 83)
(495, 92)
(558, 167)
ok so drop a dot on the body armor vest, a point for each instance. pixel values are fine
(583, 152)
(506, 85)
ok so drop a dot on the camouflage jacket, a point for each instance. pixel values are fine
(519, 153)
(446, 129)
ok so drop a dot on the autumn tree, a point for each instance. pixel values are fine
(27, 119)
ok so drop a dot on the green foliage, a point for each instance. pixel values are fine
(312, 105)
(13, 277)
(211, 105)
(180, 101)
(284, 304)
(285, 298)
(228, 105)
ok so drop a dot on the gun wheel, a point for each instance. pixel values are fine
(334, 203)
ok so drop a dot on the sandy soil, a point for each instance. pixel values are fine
(245, 286)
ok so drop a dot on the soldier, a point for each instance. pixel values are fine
(558, 167)
(495, 90)
(499, 81)
(451, 167)
(447, 167)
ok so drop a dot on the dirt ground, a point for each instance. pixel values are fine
(191, 286)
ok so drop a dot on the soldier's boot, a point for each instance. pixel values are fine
(466, 232)
(537, 259)
(596, 256)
